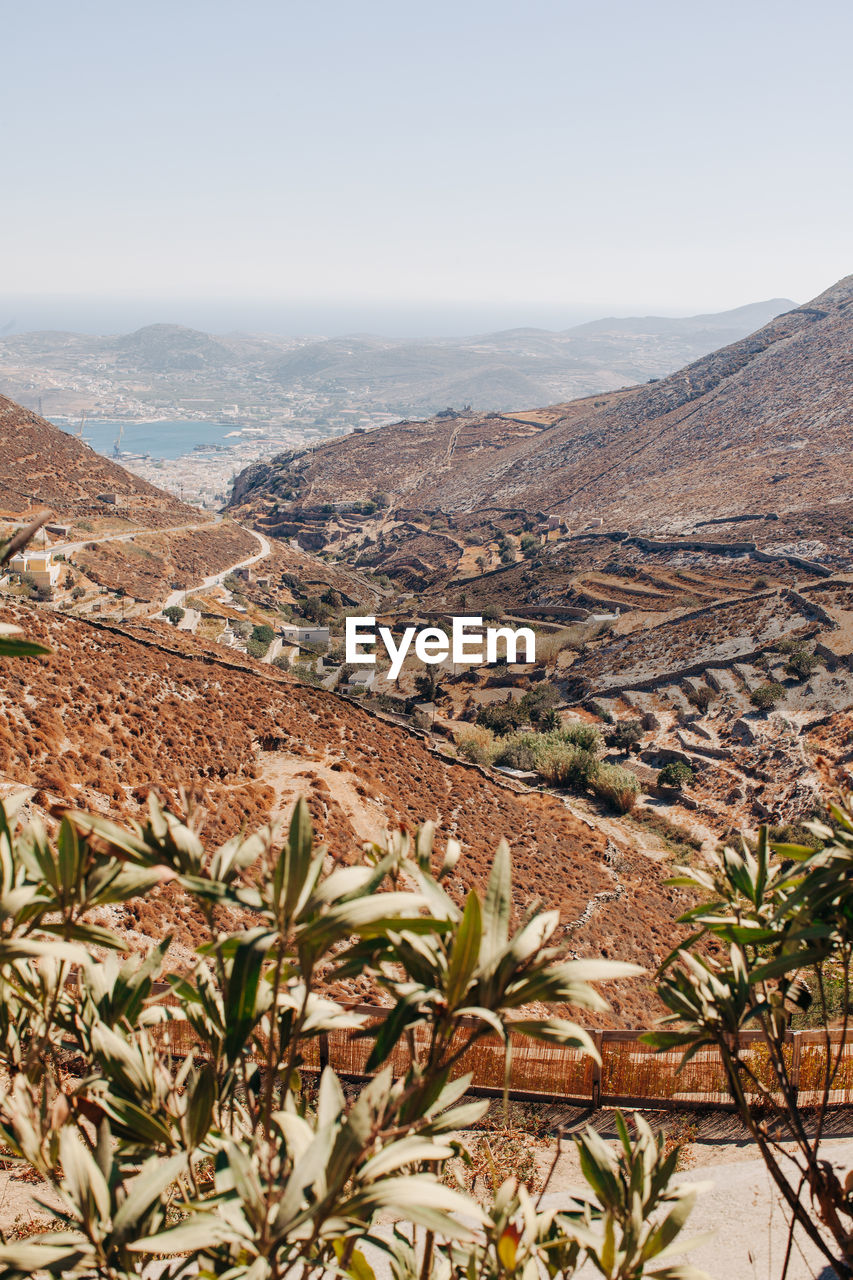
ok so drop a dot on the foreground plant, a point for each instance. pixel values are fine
(222, 1157)
(782, 918)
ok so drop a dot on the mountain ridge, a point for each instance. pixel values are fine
(626, 455)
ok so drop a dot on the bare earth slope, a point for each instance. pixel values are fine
(118, 710)
(769, 416)
(43, 466)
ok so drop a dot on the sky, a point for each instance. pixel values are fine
(336, 165)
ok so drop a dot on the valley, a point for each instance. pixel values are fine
(694, 668)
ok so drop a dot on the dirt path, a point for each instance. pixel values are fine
(291, 778)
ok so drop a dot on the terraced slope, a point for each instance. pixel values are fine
(118, 710)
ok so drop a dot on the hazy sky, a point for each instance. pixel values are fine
(525, 160)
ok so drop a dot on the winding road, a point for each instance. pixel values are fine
(216, 579)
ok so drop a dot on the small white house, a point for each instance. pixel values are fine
(39, 565)
(291, 634)
(360, 681)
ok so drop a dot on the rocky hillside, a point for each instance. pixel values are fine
(117, 710)
(41, 466)
(762, 424)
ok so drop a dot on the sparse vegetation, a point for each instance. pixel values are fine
(625, 734)
(174, 613)
(618, 787)
(765, 697)
(802, 663)
(701, 697)
(676, 774)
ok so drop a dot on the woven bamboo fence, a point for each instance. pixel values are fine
(631, 1073)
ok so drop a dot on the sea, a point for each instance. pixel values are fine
(168, 440)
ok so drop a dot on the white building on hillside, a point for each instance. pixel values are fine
(39, 565)
(291, 634)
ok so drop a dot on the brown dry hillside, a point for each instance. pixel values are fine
(150, 565)
(764, 422)
(41, 466)
(118, 710)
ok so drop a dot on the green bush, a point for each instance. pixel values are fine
(174, 613)
(501, 717)
(801, 664)
(618, 787)
(264, 634)
(539, 699)
(625, 734)
(230, 1159)
(766, 696)
(519, 751)
(771, 938)
(477, 751)
(675, 774)
(586, 736)
(701, 698)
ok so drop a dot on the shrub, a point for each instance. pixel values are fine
(701, 698)
(190, 1131)
(766, 696)
(598, 710)
(520, 751)
(501, 717)
(539, 700)
(564, 765)
(477, 744)
(618, 787)
(491, 613)
(264, 634)
(675, 774)
(256, 648)
(174, 613)
(779, 921)
(282, 662)
(801, 664)
(624, 734)
(579, 734)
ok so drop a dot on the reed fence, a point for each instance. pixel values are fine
(631, 1073)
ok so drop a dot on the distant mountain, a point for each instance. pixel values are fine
(763, 422)
(501, 370)
(167, 348)
(328, 378)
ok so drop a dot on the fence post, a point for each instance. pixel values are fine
(598, 1041)
(796, 1037)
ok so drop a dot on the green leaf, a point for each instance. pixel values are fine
(200, 1109)
(144, 1191)
(198, 1232)
(464, 952)
(496, 906)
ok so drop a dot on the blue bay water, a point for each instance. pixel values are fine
(160, 439)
